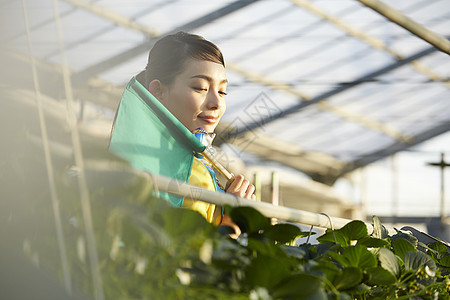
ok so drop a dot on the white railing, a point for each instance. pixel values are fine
(185, 190)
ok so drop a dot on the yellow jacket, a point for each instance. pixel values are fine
(201, 176)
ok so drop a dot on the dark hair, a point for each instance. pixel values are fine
(169, 55)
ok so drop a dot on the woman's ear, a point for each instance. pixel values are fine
(156, 88)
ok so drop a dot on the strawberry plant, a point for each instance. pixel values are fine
(150, 250)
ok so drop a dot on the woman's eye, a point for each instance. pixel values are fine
(199, 89)
(223, 93)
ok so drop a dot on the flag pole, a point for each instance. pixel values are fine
(216, 164)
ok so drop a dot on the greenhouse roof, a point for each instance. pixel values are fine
(324, 86)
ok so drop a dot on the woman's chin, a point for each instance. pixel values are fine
(207, 127)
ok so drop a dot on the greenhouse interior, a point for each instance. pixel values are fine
(337, 112)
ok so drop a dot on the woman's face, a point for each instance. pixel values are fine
(196, 97)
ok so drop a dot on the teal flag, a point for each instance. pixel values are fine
(151, 138)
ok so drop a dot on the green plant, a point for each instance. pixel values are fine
(150, 250)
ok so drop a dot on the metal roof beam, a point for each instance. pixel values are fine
(315, 100)
(118, 59)
(407, 23)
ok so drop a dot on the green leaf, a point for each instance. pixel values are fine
(380, 276)
(434, 254)
(438, 246)
(355, 230)
(401, 246)
(445, 261)
(349, 278)
(266, 271)
(180, 221)
(282, 233)
(371, 242)
(342, 260)
(261, 247)
(327, 268)
(229, 255)
(328, 236)
(360, 257)
(402, 235)
(300, 286)
(344, 297)
(258, 246)
(379, 231)
(415, 260)
(320, 294)
(389, 261)
(249, 219)
(429, 250)
(360, 289)
(294, 251)
(322, 248)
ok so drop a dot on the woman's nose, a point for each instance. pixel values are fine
(214, 100)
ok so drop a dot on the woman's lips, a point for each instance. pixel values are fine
(209, 119)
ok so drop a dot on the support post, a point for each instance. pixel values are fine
(257, 183)
(442, 164)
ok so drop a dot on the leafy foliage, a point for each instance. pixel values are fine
(150, 250)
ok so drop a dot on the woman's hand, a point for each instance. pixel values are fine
(241, 187)
(226, 220)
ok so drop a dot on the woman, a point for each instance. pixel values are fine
(186, 73)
